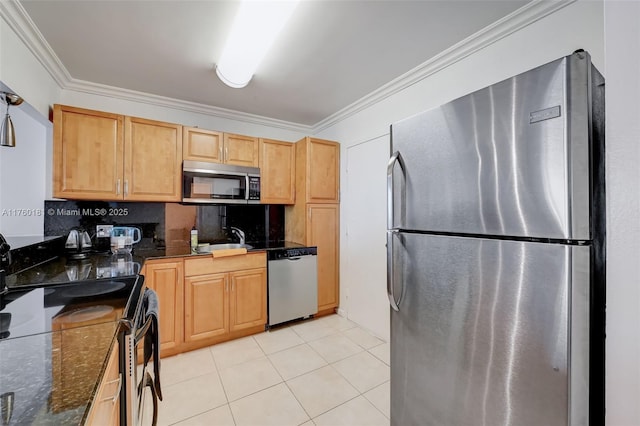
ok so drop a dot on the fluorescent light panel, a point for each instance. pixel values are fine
(254, 29)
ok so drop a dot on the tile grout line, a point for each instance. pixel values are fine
(321, 322)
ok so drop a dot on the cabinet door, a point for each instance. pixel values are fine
(166, 278)
(277, 172)
(241, 150)
(206, 305)
(323, 232)
(202, 145)
(105, 409)
(87, 154)
(248, 304)
(323, 165)
(153, 160)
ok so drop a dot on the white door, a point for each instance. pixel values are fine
(366, 262)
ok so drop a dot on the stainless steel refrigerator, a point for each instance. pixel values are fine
(495, 248)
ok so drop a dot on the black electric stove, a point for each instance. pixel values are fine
(81, 303)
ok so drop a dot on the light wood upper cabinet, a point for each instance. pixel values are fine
(277, 172)
(167, 279)
(88, 149)
(324, 171)
(218, 147)
(322, 225)
(153, 160)
(241, 150)
(202, 145)
(103, 156)
(318, 166)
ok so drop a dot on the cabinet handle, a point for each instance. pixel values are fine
(220, 153)
(116, 395)
(126, 187)
(226, 153)
(118, 187)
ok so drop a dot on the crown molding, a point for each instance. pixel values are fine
(163, 101)
(524, 16)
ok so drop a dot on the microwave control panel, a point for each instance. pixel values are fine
(254, 188)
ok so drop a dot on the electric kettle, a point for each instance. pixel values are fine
(78, 244)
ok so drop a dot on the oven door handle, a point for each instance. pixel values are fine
(147, 381)
(142, 331)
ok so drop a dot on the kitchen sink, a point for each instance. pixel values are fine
(211, 247)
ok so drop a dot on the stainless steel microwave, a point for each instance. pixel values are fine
(215, 183)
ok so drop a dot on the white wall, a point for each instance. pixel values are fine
(22, 177)
(579, 25)
(23, 169)
(622, 41)
(366, 197)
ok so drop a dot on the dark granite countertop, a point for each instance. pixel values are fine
(59, 268)
(54, 376)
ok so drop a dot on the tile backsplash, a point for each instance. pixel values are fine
(61, 216)
(168, 223)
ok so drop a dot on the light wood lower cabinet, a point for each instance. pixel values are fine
(166, 278)
(225, 298)
(205, 300)
(105, 409)
(206, 313)
(248, 301)
(322, 231)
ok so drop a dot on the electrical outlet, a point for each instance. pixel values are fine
(103, 231)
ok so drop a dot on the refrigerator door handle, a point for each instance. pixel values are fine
(395, 158)
(390, 273)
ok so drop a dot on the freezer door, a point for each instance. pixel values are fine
(489, 332)
(510, 160)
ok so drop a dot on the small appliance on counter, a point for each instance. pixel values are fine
(123, 238)
(78, 244)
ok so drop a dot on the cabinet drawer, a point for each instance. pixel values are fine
(209, 265)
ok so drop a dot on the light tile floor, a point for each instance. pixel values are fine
(325, 371)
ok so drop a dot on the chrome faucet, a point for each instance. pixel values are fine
(238, 232)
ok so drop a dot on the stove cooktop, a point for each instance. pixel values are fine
(53, 308)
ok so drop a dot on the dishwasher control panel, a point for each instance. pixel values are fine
(291, 253)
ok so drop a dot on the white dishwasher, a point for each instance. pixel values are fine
(292, 284)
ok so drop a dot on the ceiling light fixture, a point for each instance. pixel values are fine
(7, 133)
(254, 29)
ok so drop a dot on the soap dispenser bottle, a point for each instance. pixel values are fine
(194, 240)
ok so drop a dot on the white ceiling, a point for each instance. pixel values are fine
(331, 53)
